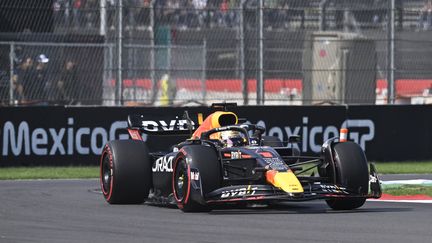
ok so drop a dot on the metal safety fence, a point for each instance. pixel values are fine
(178, 52)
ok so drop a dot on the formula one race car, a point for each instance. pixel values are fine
(229, 162)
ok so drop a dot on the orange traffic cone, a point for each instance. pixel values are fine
(343, 135)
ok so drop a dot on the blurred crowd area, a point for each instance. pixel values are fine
(81, 14)
(48, 76)
(36, 80)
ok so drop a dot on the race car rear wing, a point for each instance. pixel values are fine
(162, 125)
(177, 125)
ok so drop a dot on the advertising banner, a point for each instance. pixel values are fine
(76, 135)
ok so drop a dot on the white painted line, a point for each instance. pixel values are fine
(408, 182)
(404, 201)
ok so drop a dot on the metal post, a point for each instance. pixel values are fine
(242, 55)
(171, 81)
(110, 61)
(111, 64)
(133, 52)
(323, 15)
(390, 53)
(152, 43)
(103, 17)
(11, 73)
(260, 78)
(203, 74)
(346, 20)
(119, 83)
(105, 76)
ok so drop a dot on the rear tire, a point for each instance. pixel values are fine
(351, 172)
(125, 172)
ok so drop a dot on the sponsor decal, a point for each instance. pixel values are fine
(360, 131)
(238, 192)
(266, 154)
(357, 136)
(275, 164)
(172, 125)
(183, 151)
(163, 164)
(236, 155)
(135, 134)
(22, 139)
(334, 189)
(194, 175)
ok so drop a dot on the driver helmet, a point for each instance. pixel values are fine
(233, 138)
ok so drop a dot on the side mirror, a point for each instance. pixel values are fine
(294, 139)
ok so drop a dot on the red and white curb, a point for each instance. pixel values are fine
(408, 198)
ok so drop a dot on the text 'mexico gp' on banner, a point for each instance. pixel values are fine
(76, 135)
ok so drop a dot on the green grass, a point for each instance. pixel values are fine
(409, 190)
(71, 172)
(80, 172)
(407, 167)
(84, 172)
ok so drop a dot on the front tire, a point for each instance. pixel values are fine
(125, 172)
(351, 172)
(189, 193)
(182, 188)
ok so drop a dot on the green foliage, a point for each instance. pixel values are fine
(40, 172)
(77, 172)
(407, 167)
(409, 190)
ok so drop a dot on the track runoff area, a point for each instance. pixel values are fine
(74, 211)
(389, 184)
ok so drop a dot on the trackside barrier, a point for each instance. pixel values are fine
(76, 135)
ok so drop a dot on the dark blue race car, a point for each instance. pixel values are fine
(229, 162)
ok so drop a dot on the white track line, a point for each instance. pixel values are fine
(403, 201)
(408, 182)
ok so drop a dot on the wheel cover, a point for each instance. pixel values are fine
(106, 175)
(180, 179)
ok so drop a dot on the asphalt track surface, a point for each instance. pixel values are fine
(73, 211)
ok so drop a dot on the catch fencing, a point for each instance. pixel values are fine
(272, 52)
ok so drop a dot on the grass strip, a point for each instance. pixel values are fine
(80, 172)
(86, 172)
(42, 172)
(405, 190)
(407, 167)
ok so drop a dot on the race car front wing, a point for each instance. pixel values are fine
(312, 191)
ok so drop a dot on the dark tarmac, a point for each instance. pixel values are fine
(74, 211)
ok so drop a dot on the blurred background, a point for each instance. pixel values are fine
(185, 52)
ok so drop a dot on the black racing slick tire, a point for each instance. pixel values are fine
(125, 172)
(196, 172)
(351, 172)
(271, 141)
